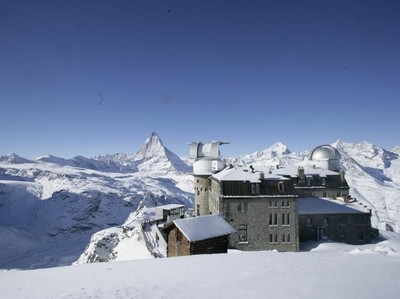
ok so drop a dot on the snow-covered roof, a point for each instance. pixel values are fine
(244, 173)
(170, 207)
(203, 227)
(293, 171)
(313, 205)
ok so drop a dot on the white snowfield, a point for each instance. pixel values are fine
(330, 270)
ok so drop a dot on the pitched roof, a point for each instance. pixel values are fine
(203, 227)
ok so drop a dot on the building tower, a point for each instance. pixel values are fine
(207, 161)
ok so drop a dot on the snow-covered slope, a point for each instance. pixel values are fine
(50, 207)
(330, 270)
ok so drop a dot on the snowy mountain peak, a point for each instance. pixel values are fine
(276, 150)
(153, 156)
(13, 159)
(153, 146)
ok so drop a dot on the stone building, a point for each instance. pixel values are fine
(261, 207)
(198, 235)
(321, 219)
(262, 203)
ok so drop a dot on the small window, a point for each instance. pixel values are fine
(242, 232)
(288, 203)
(243, 207)
(309, 221)
(281, 187)
(323, 181)
(257, 188)
(275, 219)
(283, 238)
(326, 221)
(288, 238)
(270, 219)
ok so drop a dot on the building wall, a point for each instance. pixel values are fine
(178, 245)
(213, 245)
(349, 228)
(250, 217)
(202, 187)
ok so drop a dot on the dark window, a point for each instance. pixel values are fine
(309, 221)
(281, 187)
(288, 238)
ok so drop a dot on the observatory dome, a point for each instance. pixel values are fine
(324, 152)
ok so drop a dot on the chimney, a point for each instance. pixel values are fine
(262, 175)
(252, 168)
(277, 166)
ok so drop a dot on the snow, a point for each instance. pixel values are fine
(329, 270)
(241, 173)
(203, 227)
(311, 205)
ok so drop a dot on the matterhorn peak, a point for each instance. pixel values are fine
(153, 146)
(153, 156)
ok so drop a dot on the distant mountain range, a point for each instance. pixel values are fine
(50, 207)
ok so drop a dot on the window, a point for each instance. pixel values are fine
(323, 181)
(309, 221)
(288, 238)
(288, 219)
(243, 207)
(253, 188)
(360, 236)
(324, 194)
(198, 210)
(273, 219)
(338, 194)
(273, 238)
(242, 231)
(282, 203)
(309, 180)
(283, 238)
(281, 187)
(288, 203)
(257, 188)
(326, 221)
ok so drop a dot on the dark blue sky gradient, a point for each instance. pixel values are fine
(250, 72)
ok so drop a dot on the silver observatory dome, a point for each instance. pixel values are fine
(324, 152)
(325, 157)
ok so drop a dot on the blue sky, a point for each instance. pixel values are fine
(97, 77)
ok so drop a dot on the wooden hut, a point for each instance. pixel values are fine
(198, 235)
